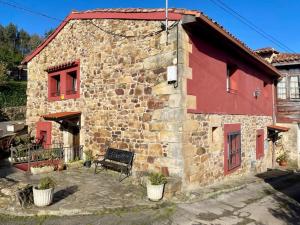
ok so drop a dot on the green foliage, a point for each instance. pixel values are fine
(46, 183)
(88, 155)
(15, 44)
(13, 93)
(282, 158)
(157, 178)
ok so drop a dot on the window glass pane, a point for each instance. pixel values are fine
(294, 87)
(281, 88)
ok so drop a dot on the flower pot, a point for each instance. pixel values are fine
(88, 164)
(282, 163)
(42, 197)
(155, 192)
(60, 167)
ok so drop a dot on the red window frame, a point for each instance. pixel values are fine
(65, 83)
(44, 129)
(232, 148)
(259, 144)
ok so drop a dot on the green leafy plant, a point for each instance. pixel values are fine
(157, 178)
(282, 158)
(88, 155)
(46, 183)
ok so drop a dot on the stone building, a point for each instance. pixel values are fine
(101, 79)
(287, 99)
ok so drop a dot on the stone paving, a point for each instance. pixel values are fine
(78, 191)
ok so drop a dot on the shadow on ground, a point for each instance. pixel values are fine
(287, 183)
(64, 193)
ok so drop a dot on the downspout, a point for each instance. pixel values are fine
(274, 122)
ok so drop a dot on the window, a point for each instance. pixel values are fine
(294, 87)
(63, 82)
(232, 78)
(259, 143)
(232, 147)
(234, 150)
(71, 82)
(55, 85)
(281, 88)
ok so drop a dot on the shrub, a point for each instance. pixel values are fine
(46, 183)
(157, 179)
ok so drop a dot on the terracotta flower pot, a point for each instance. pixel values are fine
(282, 163)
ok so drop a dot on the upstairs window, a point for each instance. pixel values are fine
(281, 88)
(71, 83)
(55, 86)
(63, 81)
(294, 87)
(232, 78)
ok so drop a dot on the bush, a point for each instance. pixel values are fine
(46, 183)
(157, 179)
(13, 93)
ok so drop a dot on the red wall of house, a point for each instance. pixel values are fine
(208, 83)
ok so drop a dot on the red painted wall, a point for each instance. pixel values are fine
(208, 64)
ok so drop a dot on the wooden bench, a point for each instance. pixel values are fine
(118, 160)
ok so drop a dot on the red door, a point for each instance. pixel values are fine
(43, 133)
(259, 143)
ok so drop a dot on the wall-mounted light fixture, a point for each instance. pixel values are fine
(256, 93)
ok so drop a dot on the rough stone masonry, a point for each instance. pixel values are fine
(127, 103)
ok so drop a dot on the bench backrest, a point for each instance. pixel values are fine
(119, 155)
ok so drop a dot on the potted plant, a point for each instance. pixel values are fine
(43, 193)
(282, 159)
(88, 158)
(155, 186)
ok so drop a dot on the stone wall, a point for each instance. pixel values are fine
(289, 142)
(204, 147)
(124, 97)
(12, 113)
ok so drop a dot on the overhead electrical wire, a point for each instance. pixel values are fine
(16, 6)
(251, 25)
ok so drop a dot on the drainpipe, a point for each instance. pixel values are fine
(274, 122)
(167, 21)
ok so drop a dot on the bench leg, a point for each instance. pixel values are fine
(124, 177)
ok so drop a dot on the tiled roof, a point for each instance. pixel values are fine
(266, 50)
(61, 66)
(286, 57)
(150, 14)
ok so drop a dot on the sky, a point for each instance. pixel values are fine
(276, 18)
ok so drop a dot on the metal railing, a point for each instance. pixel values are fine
(36, 153)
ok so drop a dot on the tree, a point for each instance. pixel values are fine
(48, 33)
(3, 73)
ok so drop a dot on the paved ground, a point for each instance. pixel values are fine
(273, 202)
(270, 200)
(77, 191)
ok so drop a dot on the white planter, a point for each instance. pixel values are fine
(15, 127)
(39, 170)
(42, 197)
(155, 192)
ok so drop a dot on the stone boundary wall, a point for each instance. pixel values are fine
(289, 143)
(13, 113)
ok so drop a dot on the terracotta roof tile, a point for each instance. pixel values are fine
(196, 13)
(266, 50)
(60, 115)
(286, 57)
